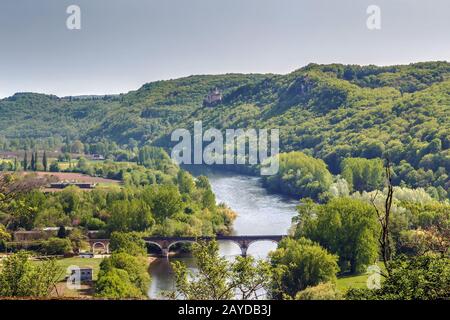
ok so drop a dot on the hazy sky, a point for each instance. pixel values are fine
(124, 43)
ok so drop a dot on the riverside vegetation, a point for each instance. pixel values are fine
(338, 125)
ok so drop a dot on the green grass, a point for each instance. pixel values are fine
(65, 263)
(355, 281)
(346, 282)
(81, 262)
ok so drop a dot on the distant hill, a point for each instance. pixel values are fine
(328, 111)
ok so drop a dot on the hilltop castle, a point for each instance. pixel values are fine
(213, 98)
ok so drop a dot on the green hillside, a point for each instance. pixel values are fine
(330, 112)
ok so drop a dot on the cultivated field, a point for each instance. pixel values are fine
(78, 177)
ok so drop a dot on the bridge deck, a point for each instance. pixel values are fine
(219, 237)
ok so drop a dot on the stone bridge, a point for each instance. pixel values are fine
(165, 243)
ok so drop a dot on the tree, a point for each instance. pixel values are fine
(19, 277)
(127, 216)
(219, 279)
(4, 237)
(62, 233)
(363, 174)
(56, 246)
(384, 218)
(186, 183)
(165, 202)
(33, 162)
(415, 278)
(25, 161)
(44, 161)
(300, 175)
(115, 284)
(344, 226)
(35, 167)
(135, 266)
(78, 240)
(54, 167)
(130, 243)
(299, 264)
(77, 147)
(12, 188)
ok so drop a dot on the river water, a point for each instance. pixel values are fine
(259, 213)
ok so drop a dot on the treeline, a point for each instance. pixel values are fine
(303, 176)
(331, 112)
(184, 207)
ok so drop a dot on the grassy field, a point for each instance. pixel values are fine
(94, 263)
(354, 281)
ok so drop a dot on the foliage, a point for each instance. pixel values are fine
(344, 226)
(56, 246)
(299, 264)
(416, 278)
(173, 205)
(116, 284)
(19, 277)
(363, 174)
(219, 279)
(323, 291)
(331, 112)
(130, 243)
(124, 274)
(300, 175)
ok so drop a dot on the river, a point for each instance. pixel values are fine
(259, 213)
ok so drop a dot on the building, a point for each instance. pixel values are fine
(213, 98)
(81, 185)
(84, 274)
(24, 236)
(97, 157)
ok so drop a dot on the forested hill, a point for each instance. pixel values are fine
(328, 111)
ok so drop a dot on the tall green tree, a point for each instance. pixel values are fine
(33, 162)
(36, 159)
(344, 226)
(45, 161)
(363, 174)
(299, 264)
(25, 161)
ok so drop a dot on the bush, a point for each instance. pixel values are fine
(299, 264)
(419, 278)
(323, 291)
(116, 284)
(130, 243)
(56, 246)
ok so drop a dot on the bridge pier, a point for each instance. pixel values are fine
(165, 252)
(244, 251)
(244, 244)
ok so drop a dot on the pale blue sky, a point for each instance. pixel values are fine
(126, 43)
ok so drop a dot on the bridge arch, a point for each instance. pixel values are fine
(154, 243)
(233, 246)
(100, 244)
(251, 243)
(178, 242)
